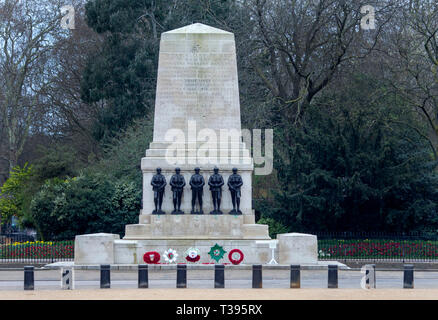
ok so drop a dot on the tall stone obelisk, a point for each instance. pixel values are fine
(197, 81)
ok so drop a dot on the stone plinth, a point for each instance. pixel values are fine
(293, 248)
(297, 248)
(96, 248)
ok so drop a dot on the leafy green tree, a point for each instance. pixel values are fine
(125, 208)
(55, 161)
(122, 75)
(121, 78)
(356, 165)
(123, 153)
(275, 227)
(15, 193)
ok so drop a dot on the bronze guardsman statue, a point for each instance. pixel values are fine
(197, 183)
(158, 183)
(235, 182)
(177, 182)
(216, 182)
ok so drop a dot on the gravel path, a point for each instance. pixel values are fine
(223, 294)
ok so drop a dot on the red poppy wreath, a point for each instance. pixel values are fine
(151, 257)
(235, 261)
(193, 255)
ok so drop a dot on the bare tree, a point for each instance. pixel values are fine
(29, 30)
(69, 116)
(412, 58)
(298, 46)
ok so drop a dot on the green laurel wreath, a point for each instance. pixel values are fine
(217, 252)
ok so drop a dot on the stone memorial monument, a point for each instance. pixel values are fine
(197, 116)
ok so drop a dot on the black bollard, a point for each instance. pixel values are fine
(105, 277)
(143, 279)
(408, 277)
(374, 277)
(257, 281)
(28, 278)
(332, 276)
(295, 279)
(219, 279)
(181, 276)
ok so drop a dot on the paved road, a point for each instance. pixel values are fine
(203, 279)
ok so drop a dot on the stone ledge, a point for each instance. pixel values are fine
(192, 238)
(248, 218)
(255, 231)
(149, 164)
(189, 226)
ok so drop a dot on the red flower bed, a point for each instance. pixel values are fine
(38, 250)
(369, 249)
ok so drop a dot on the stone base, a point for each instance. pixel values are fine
(108, 249)
(96, 248)
(134, 251)
(297, 248)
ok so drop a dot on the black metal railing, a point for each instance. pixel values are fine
(376, 246)
(344, 246)
(20, 248)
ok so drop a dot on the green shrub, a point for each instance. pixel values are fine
(85, 204)
(15, 193)
(275, 227)
(103, 198)
(122, 155)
